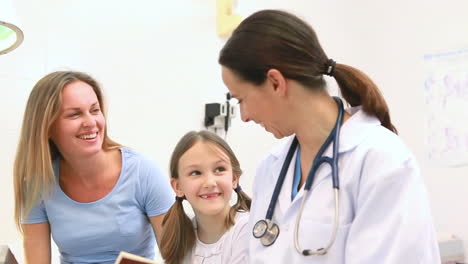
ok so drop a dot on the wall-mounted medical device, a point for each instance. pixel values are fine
(218, 115)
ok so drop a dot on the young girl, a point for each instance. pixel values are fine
(205, 171)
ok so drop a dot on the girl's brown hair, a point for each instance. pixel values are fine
(178, 236)
(272, 39)
(33, 174)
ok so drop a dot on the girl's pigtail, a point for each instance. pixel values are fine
(178, 236)
(242, 205)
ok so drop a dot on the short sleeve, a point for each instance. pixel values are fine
(157, 193)
(37, 215)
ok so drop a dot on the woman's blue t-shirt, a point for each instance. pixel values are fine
(96, 232)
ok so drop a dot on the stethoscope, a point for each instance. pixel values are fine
(266, 230)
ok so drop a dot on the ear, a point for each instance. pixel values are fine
(51, 130)
(235, 181)
(176, 187)
(277, 80)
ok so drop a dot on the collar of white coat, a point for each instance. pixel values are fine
(353, 132)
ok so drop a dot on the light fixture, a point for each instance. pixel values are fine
(11, 36)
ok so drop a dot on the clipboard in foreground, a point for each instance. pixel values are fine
(128, 258)
(6, 256)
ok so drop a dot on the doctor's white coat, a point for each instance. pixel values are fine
(384, 210)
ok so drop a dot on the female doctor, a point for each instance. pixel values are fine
(366, 203)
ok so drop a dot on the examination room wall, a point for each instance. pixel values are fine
(157, 63)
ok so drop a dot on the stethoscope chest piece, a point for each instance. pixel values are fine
(260, 229)
(267, 232)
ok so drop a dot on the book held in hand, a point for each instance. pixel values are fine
(6, 256)
(128, 258)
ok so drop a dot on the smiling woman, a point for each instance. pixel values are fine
(69, 175)
(80, 125)
(308, 213)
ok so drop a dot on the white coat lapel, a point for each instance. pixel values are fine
(323, 173)
(351, 134)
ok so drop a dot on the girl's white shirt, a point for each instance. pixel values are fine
(231, 248)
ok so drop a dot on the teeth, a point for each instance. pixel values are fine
(90, 136)
(208, 196)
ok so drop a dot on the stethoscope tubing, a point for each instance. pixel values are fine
(333, 137)
(320, 251)
(333, 162)
(279, 184)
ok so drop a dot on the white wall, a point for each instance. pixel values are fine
(157, 62)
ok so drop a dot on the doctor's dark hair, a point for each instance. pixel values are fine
(178, 236)
(33, 175)
(273, 39)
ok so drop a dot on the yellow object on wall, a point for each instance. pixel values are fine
(226, 22)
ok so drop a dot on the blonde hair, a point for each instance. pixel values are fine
(33, 174)
(178, 235)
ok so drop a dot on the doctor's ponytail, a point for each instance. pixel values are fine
(358, 89)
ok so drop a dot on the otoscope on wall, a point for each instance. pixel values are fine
(218, 115)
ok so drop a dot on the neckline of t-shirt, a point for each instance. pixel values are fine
(211, 245)
(238, 216)
(123, 152)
